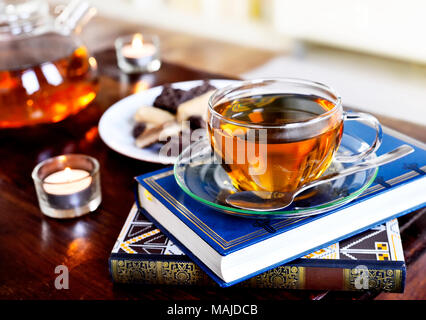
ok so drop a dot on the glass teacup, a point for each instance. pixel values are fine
(278, 134)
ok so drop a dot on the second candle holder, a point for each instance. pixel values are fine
(138, 53)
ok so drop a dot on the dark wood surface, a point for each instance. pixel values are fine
(32, 245)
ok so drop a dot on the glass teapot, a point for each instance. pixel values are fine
(46, 73)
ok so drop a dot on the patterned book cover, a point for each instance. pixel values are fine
(371, 260)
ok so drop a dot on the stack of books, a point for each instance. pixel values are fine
(170, 238)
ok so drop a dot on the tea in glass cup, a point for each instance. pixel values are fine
(276, 135)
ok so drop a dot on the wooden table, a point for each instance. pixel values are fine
(32, 245)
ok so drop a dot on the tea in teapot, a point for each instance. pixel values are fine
(46, 73)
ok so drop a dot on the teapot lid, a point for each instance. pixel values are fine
(18, 17)
(23, 16)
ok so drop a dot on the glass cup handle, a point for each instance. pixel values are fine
(359, 116)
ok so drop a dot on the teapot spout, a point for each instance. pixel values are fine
(74, 16)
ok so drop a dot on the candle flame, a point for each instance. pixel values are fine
(93, 63)
(67, 171)
(137, 41)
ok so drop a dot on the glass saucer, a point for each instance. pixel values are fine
(200, 175)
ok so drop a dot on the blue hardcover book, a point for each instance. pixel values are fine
(231, 249)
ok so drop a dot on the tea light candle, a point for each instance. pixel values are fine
(67, 186)
(137, 49)
(138, 53)
(67, 181)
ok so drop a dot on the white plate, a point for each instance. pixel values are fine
(116, 124)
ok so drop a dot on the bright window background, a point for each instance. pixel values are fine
(392, 28)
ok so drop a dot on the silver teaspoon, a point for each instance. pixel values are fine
(271, 201)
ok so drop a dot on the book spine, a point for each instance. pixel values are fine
(147, 271)
(363, 276)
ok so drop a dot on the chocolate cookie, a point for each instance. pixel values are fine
(138, 129)
(170, 98)
(199, 90)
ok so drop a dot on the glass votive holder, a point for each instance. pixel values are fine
(138, 53)
(68, 186)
